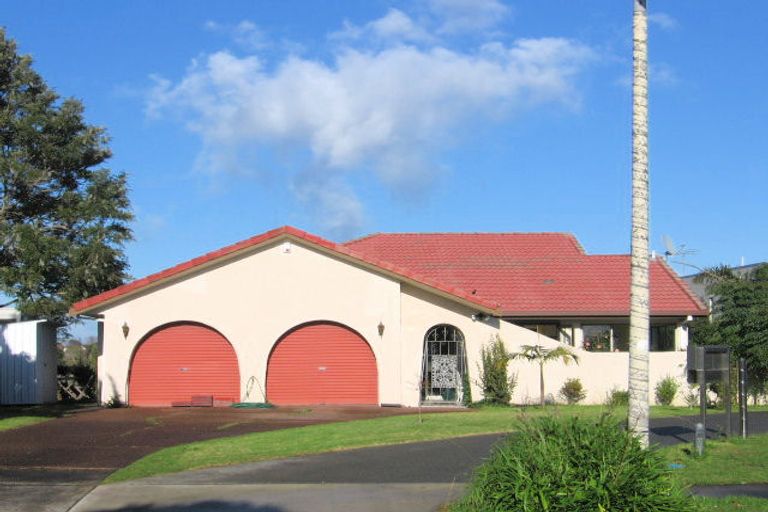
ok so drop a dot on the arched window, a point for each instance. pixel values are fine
(443, 366)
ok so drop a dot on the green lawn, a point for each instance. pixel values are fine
(347, 435)
(21, 421)
(736, 461)
(22, 416)
(732, 504)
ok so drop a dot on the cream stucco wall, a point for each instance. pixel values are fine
(599, 372)
(254, 299)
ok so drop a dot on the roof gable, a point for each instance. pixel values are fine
(236, 250)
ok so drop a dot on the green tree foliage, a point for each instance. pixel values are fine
(739, 317)
(542, 355)
(63, 217)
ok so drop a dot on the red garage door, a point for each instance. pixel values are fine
(322, 363)
(178, 362)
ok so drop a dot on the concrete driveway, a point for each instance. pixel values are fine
(48, 467)
(412, 477)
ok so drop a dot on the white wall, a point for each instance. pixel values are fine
(253, 301)
(27, 363)
(599, 372)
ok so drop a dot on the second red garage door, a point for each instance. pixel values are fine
(322, 363)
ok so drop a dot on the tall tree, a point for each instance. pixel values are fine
(63, 217)
(542, 355)
(639, 295)
(739, 318)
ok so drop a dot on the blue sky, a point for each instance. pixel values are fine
(349, 117)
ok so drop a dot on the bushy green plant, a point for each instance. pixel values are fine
(666, 390)
(617, 397)
(573, 465)
(573, 391)
(494, 378)
(466, 390)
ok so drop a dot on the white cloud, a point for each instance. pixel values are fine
(245, 33)
(458, 16)
(387, 110)
(393, 26)
(333, 201)
(662, 20)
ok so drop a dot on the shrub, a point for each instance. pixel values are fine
(494, 379)
(666, 389)
(114, 402)
(573, 465)
(617, 397)
(691, 396)
(572, 391)
(466, 390)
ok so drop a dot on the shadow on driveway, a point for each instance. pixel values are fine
(202, 506)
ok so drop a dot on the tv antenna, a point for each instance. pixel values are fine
(672, 251)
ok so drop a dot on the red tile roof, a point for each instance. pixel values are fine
(531, 274)
(515, 274)
(92, 303)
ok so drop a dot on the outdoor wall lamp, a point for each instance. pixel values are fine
(126, 330)
(381, 329)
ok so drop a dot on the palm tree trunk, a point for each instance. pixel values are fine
(639, 296)
(541, 383)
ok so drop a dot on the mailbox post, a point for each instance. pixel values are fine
(710, 363)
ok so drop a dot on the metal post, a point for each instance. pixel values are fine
(699, 439)
(743, 396)
(727, 399)
(701, 374)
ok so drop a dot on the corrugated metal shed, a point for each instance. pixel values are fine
(27, 363)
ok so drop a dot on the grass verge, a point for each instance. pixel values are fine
(732, 504)
(17, 416)
(335, 436)
(736, 461)
(21, 421)
(355, 434)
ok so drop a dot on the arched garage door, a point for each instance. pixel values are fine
(322, 363)
(177, 362)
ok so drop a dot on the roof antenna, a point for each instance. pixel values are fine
(671, 251)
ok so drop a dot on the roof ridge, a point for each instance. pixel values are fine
(389, 233)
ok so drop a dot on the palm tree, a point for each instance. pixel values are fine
(639, 296)
(543, 355)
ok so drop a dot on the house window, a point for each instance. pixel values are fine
(597, 338)
(662, 338)
(615, 338)
(606, 338)
(549, 330)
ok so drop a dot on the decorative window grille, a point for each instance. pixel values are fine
(443, 365)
